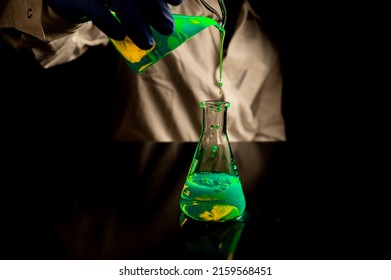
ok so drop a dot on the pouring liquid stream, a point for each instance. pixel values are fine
(222, 19)
(220, 84)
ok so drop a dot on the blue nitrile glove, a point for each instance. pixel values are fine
(135, 17)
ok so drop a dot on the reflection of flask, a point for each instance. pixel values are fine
(205, 240)
(185, 28)
(213, 190)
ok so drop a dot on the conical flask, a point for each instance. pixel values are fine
(185, 28)
(213, 190)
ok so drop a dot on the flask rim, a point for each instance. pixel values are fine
(220, 103)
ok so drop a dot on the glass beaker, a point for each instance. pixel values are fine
(185, 28)
(213, 190)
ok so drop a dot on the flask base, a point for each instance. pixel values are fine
(208, 212)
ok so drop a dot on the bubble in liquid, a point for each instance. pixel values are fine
(214, 151)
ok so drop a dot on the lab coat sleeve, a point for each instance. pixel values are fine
(23, 15)
(54, 41)
(33, 21)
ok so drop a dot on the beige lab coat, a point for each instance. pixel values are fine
(162, 103)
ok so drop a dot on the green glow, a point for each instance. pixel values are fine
(212, 197)
(215, 149)
(173, 43)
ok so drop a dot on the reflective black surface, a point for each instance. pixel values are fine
(120, 201)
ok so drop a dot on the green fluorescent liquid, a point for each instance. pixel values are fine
(212, 197)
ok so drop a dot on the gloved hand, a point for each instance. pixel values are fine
(135, 17)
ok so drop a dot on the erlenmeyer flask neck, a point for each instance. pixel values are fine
(215, 117)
